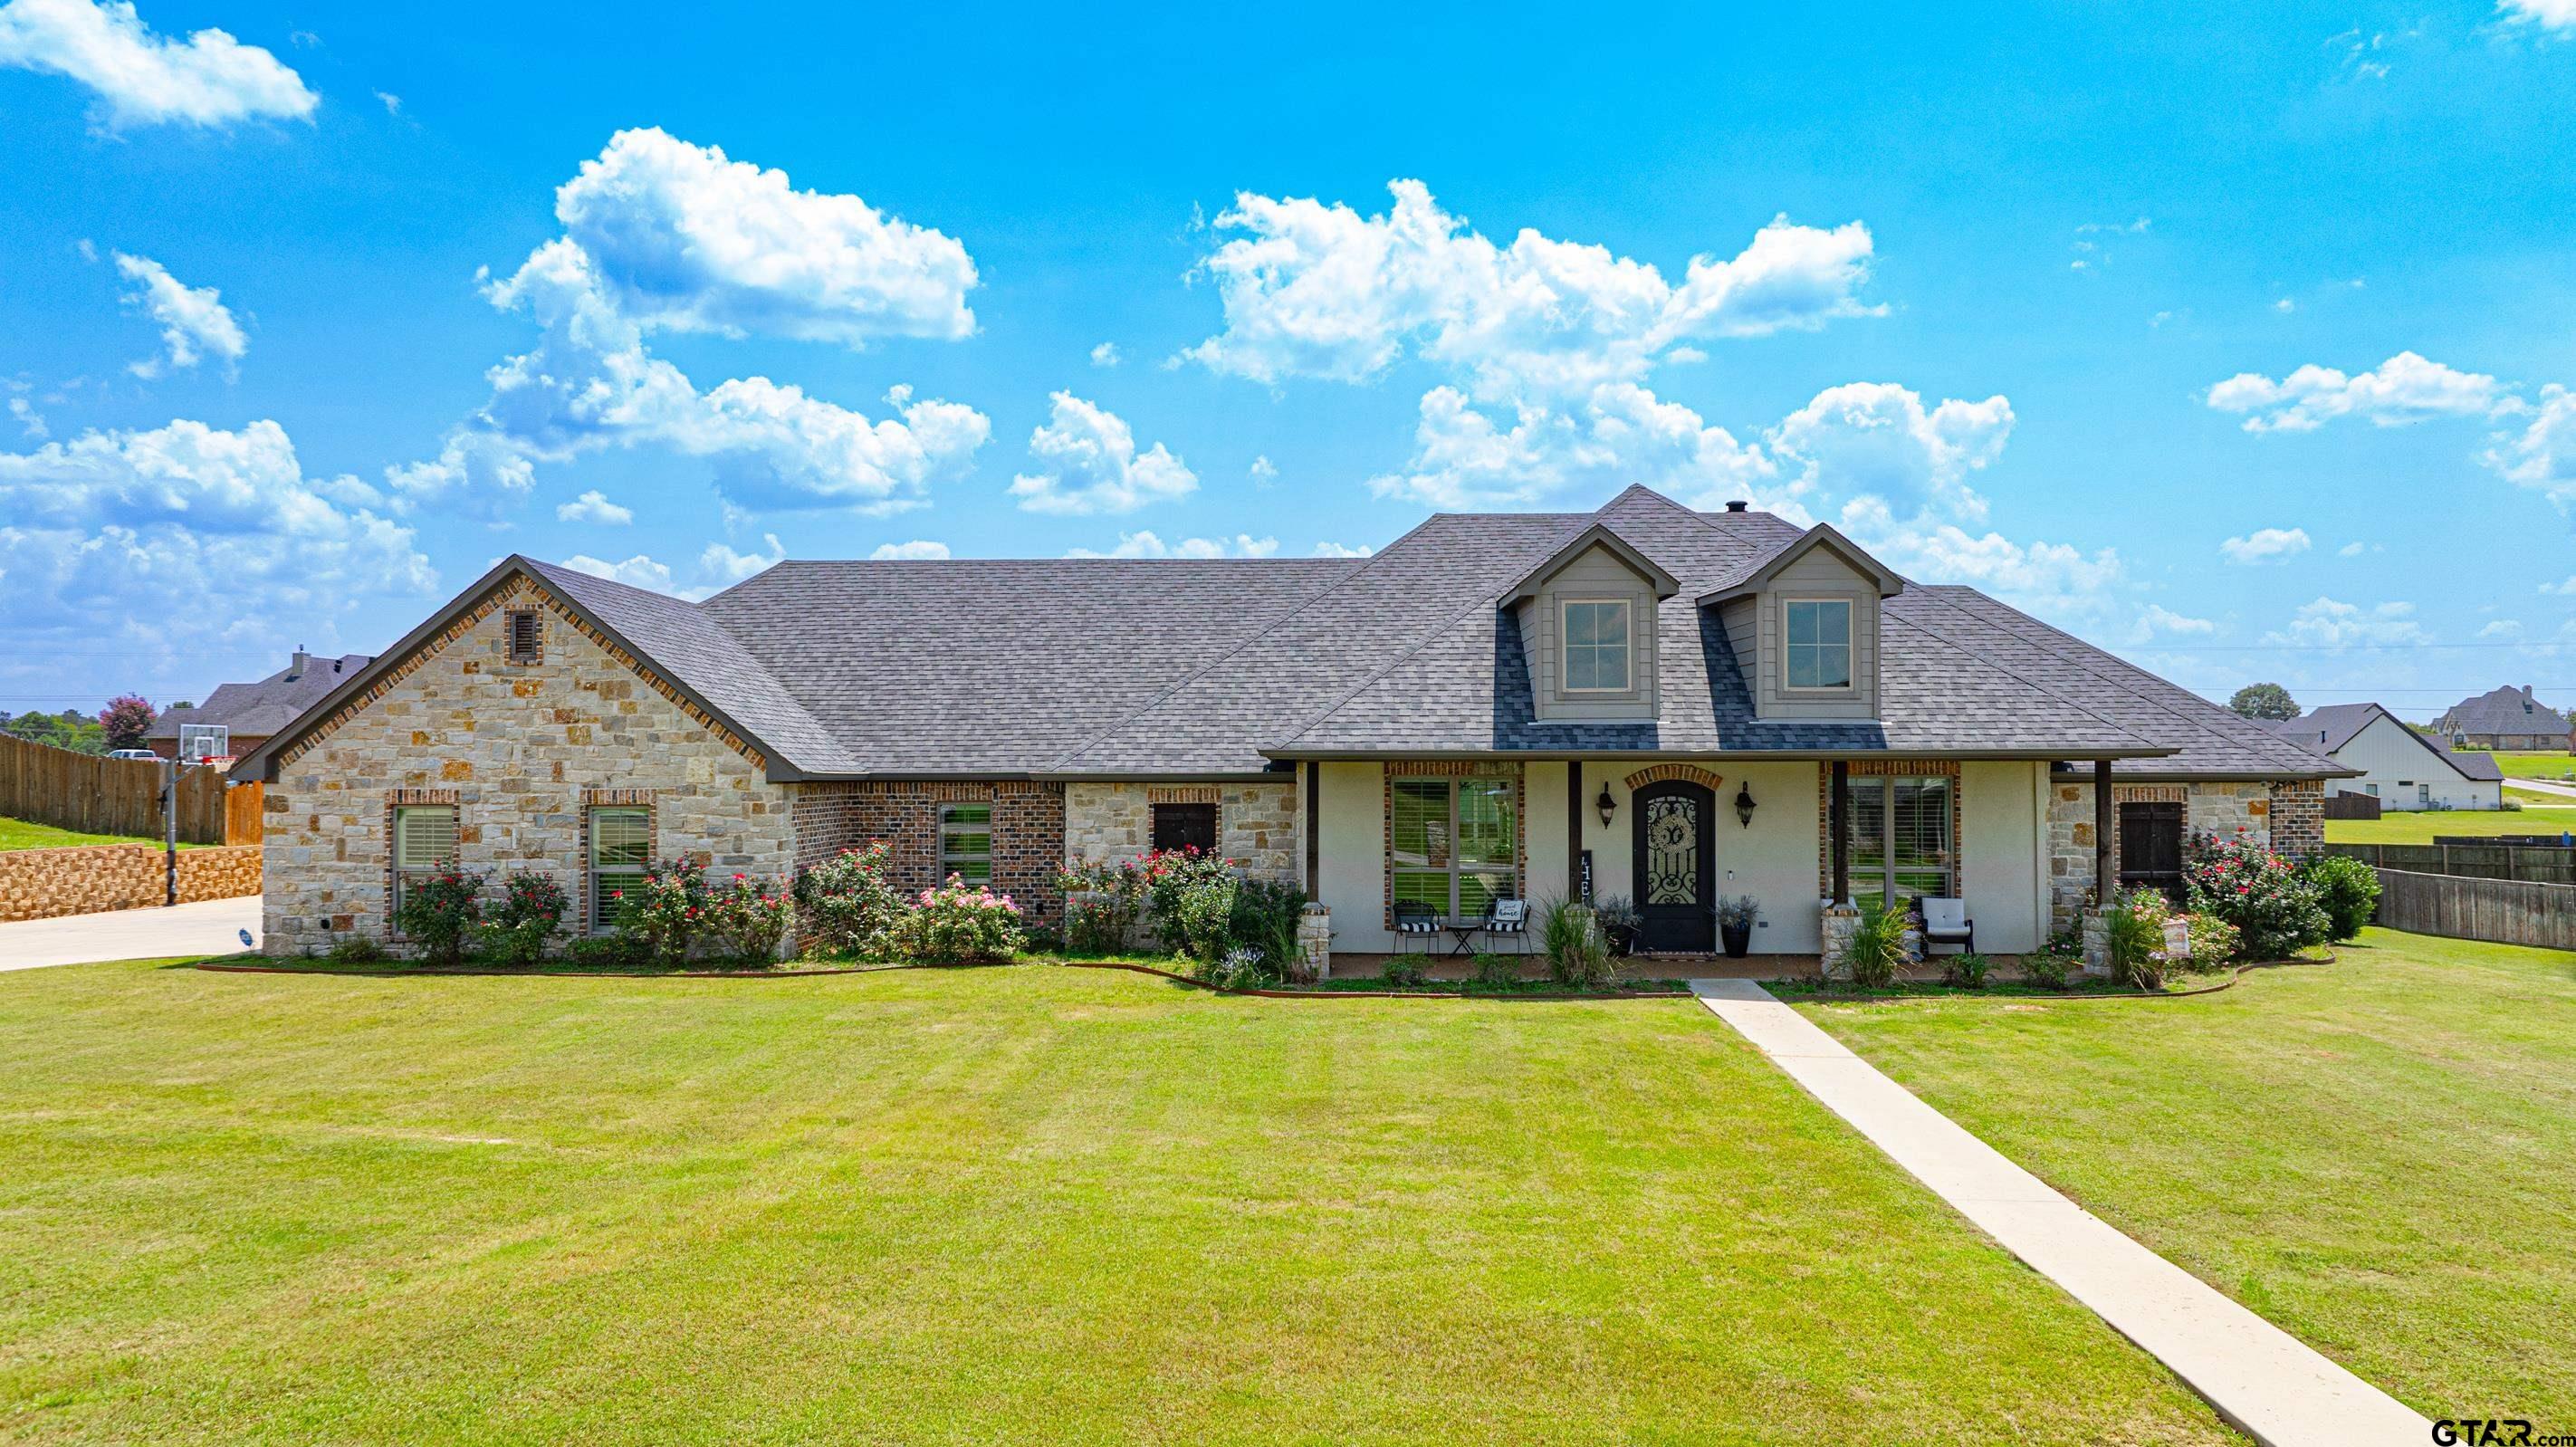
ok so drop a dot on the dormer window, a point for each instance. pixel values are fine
(1820, 649)
(1596, 645)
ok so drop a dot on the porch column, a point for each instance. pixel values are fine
(1314, 822)
(1838, 813)
(2103, 883)
(1574, 830)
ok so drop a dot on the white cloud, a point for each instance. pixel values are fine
(2543, 455)
(594, 507)
(194, 320)
(683, 239)
(1090, 464)
(1344, 550)
(2158, 621)
(686, 240)
(2548, 14)
(1623, 433)
(2266, 545)
(2329, 623)
(2562, 590)
(2353, 549)
(2404, 389)
(2049, 578)
(2501, 628)
(1148, 545)
(142, 78)
(2092, 248)
(186, 537)
(1263, 471)
(1876, 439)
(727, 566)
(638, 571)
(917, 549)
(1105, 355)
(30, 421)
(1321, 291)
(2285, 304)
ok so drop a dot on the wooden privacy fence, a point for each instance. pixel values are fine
(2502, 911)
(2352, 806)
(2527, 863)
(92, 795)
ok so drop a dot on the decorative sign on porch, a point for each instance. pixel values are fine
(1586, 894)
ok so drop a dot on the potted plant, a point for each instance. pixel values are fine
(1619, 921)
(1735, 917)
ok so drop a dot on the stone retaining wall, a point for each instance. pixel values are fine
(47, 883)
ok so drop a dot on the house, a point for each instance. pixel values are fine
(239, 717)
(2507, 718)
(2398, 765)
(1644, 701)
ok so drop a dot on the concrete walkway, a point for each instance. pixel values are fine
(2260, 1378)
(211, 927)
(2544, 786)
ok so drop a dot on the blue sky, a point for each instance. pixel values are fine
(2234, 340)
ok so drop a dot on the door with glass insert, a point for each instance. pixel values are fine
(1675, 837)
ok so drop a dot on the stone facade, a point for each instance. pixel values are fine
(1255, 823)
(2220, 809)
(1028, 831)
(517, 747)
(47, 883)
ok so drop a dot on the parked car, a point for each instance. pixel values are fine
(132, 754)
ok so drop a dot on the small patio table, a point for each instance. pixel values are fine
(1463, 932)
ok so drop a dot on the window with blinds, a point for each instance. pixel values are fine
(424, 839)
(966, 842)
(1453, 844)
(1900, 839)
(621, 842)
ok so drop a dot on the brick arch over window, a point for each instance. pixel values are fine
(1665, 773)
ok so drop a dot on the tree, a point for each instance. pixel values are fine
(124, 721)
(2264, 700)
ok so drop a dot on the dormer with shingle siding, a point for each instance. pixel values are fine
(1587, 618)
(1805, 628)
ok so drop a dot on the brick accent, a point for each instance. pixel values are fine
(49, 883)
(1184, 794)
(1448, 769)
(1879, 768)
(2298, 816)
(1666, 773)
(1028, 831)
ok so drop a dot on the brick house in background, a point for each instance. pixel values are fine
(2507, 718)
(1642, 701)
(239, 717)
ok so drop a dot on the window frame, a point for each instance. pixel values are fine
(1458, 867)
(1849, 646)
(1156, 813)
(947, 828)
(399, 871)
(1885, 873)
(598, 921)
(536, 650)
(1627, 645)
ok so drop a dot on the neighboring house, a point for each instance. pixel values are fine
(239, 717)
(1641, 701)
(2508, 718)
(2398, 766)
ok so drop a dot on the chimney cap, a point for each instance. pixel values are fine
(1737, 505)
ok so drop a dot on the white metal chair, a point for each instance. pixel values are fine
(1509, 917)
(1946, 922)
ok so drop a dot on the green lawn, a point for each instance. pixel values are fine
(19, 834)
(2537, 765)
(2539, 797)
(2378, 1155)
(975, 1205)
(2420, 825)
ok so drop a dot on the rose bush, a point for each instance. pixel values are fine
(2274, 907)
(1104, 901)
(666, 910)
(1190, 896)
(439, 911)
(748, 918)
(849, 906)
(959, 924)
(516, 929)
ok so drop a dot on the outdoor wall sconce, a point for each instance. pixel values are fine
(1607, 805)
(1744, 805)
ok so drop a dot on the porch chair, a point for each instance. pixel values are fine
(1415, 918)
(1946, 922)
(1510, 918)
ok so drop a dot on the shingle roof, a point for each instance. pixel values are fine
(256, 710)
(2328, 727)
(2504, 711)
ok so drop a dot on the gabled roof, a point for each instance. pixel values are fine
(256, 710)
(1203, 668)
(2504, 711)
(2328, 727)
(1593, 535)
(1822, 535)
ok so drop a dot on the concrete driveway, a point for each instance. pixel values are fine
(212, 927)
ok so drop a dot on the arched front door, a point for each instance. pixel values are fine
(1675, 837)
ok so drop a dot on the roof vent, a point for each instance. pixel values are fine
(296, 669)
(1738, 505)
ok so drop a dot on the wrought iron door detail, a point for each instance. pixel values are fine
(1672, 850)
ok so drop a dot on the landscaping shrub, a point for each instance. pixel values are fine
(439, 911)
(961, 924)
(1240, 968)
(2048, 970)
(666, 912)
(1408, 972)
(2348, 890)
(1876, 954)
(748, 919)
(2272, 905)
(515, 931)
(1104, 923)
(604, 952)
(848, 906)
(1496, 972)
(2136, 927)
(1619, 921)
(2214, 942)
(1578, 954)
(1966, 970)
(356, 950)
(1265, 918)
(1190, 896)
